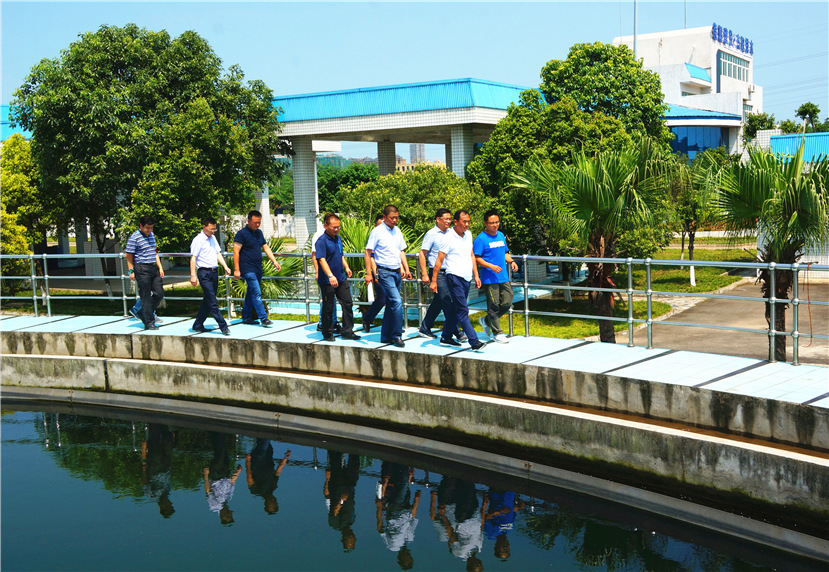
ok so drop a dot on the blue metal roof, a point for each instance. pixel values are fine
(6, 129)
(816, 144)
(698, 72)
(426, 96)
(681, 112)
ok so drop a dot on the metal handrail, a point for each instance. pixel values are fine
(44, 284)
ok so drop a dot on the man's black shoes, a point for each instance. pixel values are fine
(351, 336)
(450, 342)
(328, 338)
(267, 323)
(398, 343)
(478, 345)
(200, 329)
(251, 322)
(151, 327)
(225, 331)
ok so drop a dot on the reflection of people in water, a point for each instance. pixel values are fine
(218, 481)
(394, 496)
(340, 481)
(262, 475)
(500, 510)
(453, 510)
(156, 462)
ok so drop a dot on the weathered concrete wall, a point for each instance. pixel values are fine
(53, 371)
(763, 473)
(778, 421)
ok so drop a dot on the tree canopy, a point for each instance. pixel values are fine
(756, 122)
(331, 178)
(810, 113)
(607, 79)
(132, 119)
(19, 181)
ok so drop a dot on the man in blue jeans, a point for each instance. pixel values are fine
(248, 245)
(205, 256)
(388, 247)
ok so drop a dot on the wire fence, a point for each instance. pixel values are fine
(415, 292)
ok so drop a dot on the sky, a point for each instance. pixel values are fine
(306, 47)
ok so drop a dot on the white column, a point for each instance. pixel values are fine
(386, 158)
(263, 205)
(462, 148)
(306, 199)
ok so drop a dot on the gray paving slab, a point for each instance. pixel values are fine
(73, 324)
(685, 368)
(22, 322)
(595, 357)
(518, 350)
(172, 326)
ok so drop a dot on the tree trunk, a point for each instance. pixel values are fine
(564, 268)
(606, 331)
(691, 235)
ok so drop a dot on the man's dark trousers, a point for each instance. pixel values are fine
(150, 290)
(457, 316)
(209, 282)
(343, 294)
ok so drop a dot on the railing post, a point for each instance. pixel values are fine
(629, 263)
(511, 320)
(526, 299)
(121, 258)
(772, 310)
(34, 282)
(649, 296)
(46, 286)
(228, 301)
(795, 315)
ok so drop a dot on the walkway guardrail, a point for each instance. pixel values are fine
(416, 293)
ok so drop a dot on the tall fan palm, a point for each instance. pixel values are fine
(271, 289)
(599, 196)
(786, 202)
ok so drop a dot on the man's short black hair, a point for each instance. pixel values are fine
(208, 220)
(489, 213)
(329, 216)
(146, 220)
(388, 209)
(254, 213)
(378, 217)
(459, 213)
(442, 212)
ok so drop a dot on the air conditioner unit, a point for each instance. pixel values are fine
(752, 88)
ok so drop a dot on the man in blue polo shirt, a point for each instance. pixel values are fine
(388, 247)
(333, 280)
(248, 245)
(145, 268)
(492, 255)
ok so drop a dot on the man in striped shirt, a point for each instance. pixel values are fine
(145, 268)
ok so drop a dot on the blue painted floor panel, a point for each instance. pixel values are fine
(779, 381)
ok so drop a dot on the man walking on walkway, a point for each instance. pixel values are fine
(388, 246)
(429, 249)
(248, 245)
(379, 299)
(457, 258)
(333, 280)
(205, 255)
(145, 268)
(492, 255)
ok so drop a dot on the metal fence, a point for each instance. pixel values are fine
(415, 292)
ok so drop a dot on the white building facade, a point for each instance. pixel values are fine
(710, 68)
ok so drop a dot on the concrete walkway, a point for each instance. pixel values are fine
(753, 377)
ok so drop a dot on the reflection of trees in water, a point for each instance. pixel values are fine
(594, 542)
(109, 451)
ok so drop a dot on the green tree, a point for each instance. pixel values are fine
(756, 122)
(110, 120)
(534, 129)
(19, 181)
(602, 195)
(809, 112)
(608, 79)
(330, 179)
(789, 126)
(12, 241)
(418, 194)
(281, 188)
(788, 205)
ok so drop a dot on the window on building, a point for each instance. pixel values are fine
(746, 111)
(732, 66)
(691, 140)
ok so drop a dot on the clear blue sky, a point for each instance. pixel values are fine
(302, 47)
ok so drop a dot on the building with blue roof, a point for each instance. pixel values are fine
(706, 69)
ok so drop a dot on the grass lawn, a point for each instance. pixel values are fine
(672, 279)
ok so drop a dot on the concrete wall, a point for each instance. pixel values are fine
(777, 421)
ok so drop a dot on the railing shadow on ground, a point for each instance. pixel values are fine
(416, 293)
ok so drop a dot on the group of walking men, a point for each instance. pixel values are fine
(449, 260)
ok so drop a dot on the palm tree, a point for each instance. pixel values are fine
(600, 195)
(786, 202)
(271, 289)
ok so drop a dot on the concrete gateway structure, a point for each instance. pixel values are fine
(456, 113)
